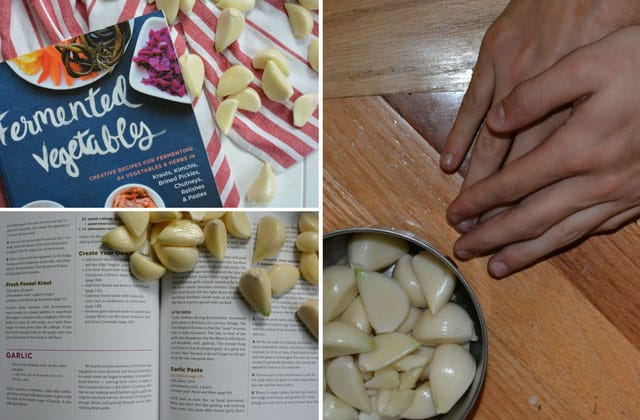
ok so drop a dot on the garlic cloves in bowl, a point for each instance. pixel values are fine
(436, 280)
(452, 324)
(338, 291)
(372, 251)
(344, 380)
(385, 302)
(341, 338)
(451, 371)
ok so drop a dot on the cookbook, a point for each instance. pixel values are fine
(83, 339)
(103, 120)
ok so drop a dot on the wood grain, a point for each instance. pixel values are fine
(564, 336)
(396, 46)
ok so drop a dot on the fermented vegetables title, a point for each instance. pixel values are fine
(124, 134)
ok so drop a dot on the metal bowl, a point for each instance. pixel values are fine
(335, 252)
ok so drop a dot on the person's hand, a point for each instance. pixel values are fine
(583, 179)
(527, 38)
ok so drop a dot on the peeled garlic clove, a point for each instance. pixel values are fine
(241, 5)
(156, 228)
(340, 338)
(186, 6)
(215, 238)
(344, 380)
(193, 73)
(208, 215)
(283, 277)
(233, 80)
(164, 216)
(338, 291)
(307, 242)
(248, 99)
(300, 20)
(309, 267)
(422, 405)
(182, 232)
(385, 302)
(256, 289)
(412, 361)
(335, 409)
(309, 315)
(270, 237)
(136, 221)
(178, 259)
(356, 316)
(391, 347)
(308, 222)
(229, 27)
(404, 275)
(261, 59)
(436, 280)
(264, 186)
(309, 4)
(451, 371)
(313, 55)
(392, 403)
(409, 322)
(197, 216)
(225, 114)
(275, 84)
(144, 268)
(237, 224)
(451, 324)
(374, 251)
(383, 379)
(303, 108)
(409, 378)
(170, 9)
(121, 239)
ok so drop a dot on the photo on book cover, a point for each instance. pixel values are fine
(103, 120)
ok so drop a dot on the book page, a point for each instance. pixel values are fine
(222, 360)
(80, 336)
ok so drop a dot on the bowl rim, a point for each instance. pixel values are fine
(423, 243)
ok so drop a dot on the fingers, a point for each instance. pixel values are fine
(565, 82)
(527, 220)
(542, 166)
(473, 109)
(520, 255)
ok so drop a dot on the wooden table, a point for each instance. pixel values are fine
(564, 334)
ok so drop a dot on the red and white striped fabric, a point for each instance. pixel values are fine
(26, 25)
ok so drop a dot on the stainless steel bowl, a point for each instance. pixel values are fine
(335, 251)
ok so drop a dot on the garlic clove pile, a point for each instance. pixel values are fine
(390, 347)
(344, 380)
(436, 280)
(385, 302)
(338, 291)
(372, 251)
(341, 338)
(451, 324)
(451, 371)
(403, 273)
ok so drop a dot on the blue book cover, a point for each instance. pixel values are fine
(102, 120)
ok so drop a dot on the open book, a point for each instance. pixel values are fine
(82, 339)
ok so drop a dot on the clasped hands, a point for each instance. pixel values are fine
(551, 117)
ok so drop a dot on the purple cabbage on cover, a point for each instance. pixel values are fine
(161, 62)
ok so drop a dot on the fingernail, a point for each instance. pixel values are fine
(498, 269)
(447, 161)
(463, 254)
(496, 117)
(465, 226)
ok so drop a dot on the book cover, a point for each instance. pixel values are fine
(102, 120)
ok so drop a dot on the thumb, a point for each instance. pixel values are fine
(565, 82)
